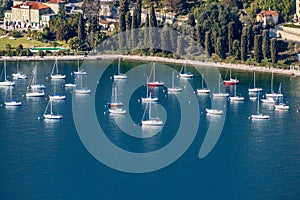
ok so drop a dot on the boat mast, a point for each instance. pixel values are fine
(150, 108)
(173, 80)
(258, 103)
(279, 90)
(78, 64)
(56, 66)
(10, 93)
(119, 65)
(153, 72)
(272, 91)
(230, 73)
(234, 88)
(147, 87)
(5, 71)
(17, 66)
(254, 80)
(202, 84)
(219, 83)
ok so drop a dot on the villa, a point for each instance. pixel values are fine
(32, 14)
(265, 17)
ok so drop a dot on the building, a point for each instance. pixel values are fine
(161, 17)
(298, 9)
(32, 14)
(266, 17)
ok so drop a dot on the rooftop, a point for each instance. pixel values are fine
(32, 5)
(268, 13)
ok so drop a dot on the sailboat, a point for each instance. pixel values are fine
(114, 95)
(55, 69)
(34, 77)
(154, 83)
(33, 89)
(203, 90)
(148, 97)
(12, 102)
(231, 81)
(6, 82)
(120, 75)
(235, 97)
(274, 94)
(151, 121)
(259, 115)
(185, 74)
(51, 115)
(79, 71)
(18, 74)
(81, 90)
(174, 89)
(254, 89)
(219, 94)
(281, 106)
(56, 96)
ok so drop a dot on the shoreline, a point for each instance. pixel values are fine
(242, 67)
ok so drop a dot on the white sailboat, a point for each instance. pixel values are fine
(114, 98)
(148, 97)
(203, 90)
(231, 81)
(33, 89)
(12, 102)
(120, 75)
(214, 111)
(259, 115)
(274, 94)
(281, 106)
(268, 100)
(235, 97)
(185, 74)
(80, 89)
(55, 69)
(79, 71)
(56, 96)
(219, 94)
(254, 89)
(18, 74)
(6, 82)
(51, 115)
(154, 83)
(117, 111)
(173, 88)
(151, 121)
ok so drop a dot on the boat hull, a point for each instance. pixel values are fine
(156, 84)
(220, 95)
(152, 122)
(255, 90)
(203, 91)
(57, 97)
(214, 111)
(120, 76)
(12, 103)
(117, 111)
(237, 98)
(19, 76)
(58, 76)
(148, 99)
(260, 117)
(82, 91)
(53, 116)
(174, 89)
(7, 83)
(35, 94)
(231, 82)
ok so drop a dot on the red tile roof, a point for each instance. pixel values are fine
(55, 1)
(33, 5)
(268, 13)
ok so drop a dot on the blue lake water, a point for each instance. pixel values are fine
(47, 160)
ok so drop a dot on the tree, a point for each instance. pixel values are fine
(250, 37)
(191, 20)
(124, 6)
(236, 50)
(230, 38)
(152, 30)
(199, 36)
(274, 53)
(257, 48)
(165, 39)
(134, 26)
(220, 48)
(244, 47)
(265, 44)
(178, 6)
(139, 12)
(180, 46)
(74, 43)
(81, 28)
(208, 47)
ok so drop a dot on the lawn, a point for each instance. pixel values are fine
(26, 43)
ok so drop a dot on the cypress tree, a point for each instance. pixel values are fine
(81, 28)
(199, 36)
(265, 44)
(165, 39)
(173, 40)
(220, 48)
(230, 37)
(180, 46)
(244, 47)
(250, 38)
(236, 50)
(257, 48)
(274, 53)
(146, 31)
(139, 12)
(152, 31)
(134, 26)
(208, 47)
(214, 39)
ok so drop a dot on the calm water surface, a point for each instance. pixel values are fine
(46, 160)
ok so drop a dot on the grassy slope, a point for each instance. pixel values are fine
(26, 43)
